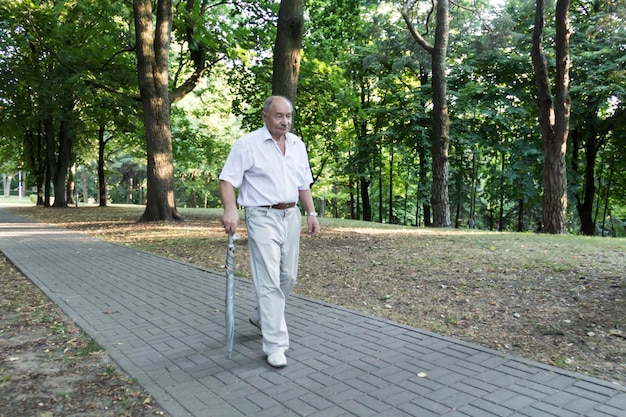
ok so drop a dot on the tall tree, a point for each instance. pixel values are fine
(153, 46)
(554, 113)
(441, 120)
(287, 49)
(597, 95)
(203, 51)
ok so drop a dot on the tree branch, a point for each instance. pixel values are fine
(419, 39)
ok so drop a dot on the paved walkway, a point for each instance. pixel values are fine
(162, 321)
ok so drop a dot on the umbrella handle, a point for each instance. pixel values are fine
(230, 239)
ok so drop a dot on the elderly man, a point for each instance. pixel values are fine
(270, 167)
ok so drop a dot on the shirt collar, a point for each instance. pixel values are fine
(267, 135)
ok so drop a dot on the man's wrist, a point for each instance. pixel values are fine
(311, 213)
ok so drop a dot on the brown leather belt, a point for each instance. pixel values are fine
(281, 206)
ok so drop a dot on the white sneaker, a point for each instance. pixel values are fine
(277, 359)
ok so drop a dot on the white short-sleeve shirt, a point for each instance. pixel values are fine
(263, 174)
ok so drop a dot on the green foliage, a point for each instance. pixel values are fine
(363, 106)
(203, 128)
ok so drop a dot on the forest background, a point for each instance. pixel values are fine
(68, 80)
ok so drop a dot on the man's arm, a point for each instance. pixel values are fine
(311, 219)
(229, 200)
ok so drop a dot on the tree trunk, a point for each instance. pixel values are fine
(391, 216)
(365, 197)
(62, 165)
(34, 149)
(441, 123)
(83, 182)
(459, 195)
(59, 164)
(474, 189)
(70, 185)
(584, 204)
(48, 125)
(287, 49)
(379, 158)
(501, 196)
(553, 115)
(406, 196)
(520, 215)
(364, 150)
(421, 192)
(441, 120)
(153, 42)
(353, 209)
(606, 202)
(7, 184)
(102, 184)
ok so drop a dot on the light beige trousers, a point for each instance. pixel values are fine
(274, 246)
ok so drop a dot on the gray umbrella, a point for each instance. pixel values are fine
(229, 311)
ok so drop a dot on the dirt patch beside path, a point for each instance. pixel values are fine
(48, 367)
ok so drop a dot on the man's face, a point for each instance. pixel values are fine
(278, 119)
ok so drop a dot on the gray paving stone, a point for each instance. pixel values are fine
(334, 411)
(162, 321)
(545, 409)
(618, 401)
(426, 407)
(477, 389)
(607, 411)
(451, 397)
(596, 413)
(358, 409)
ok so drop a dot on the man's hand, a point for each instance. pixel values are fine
(230, 220)
(313, 225)
(231, 215)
